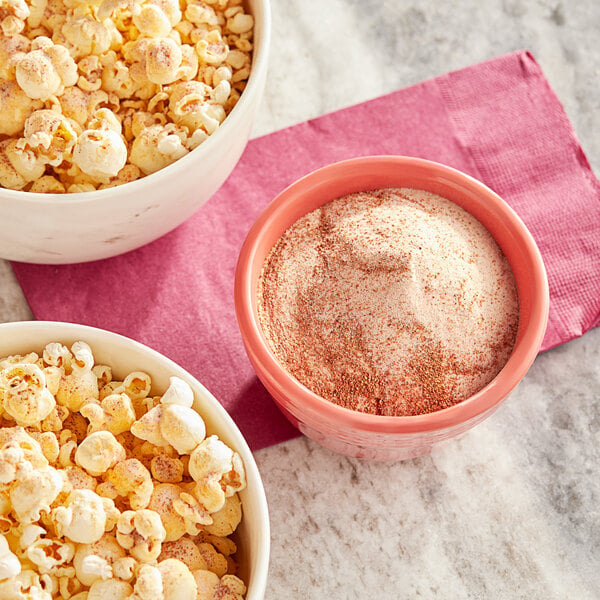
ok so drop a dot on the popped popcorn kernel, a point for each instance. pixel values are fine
(99, 452)
(100, 153)
(166, 469)
(185, 550)
(156, 147)
(89, 559)
(218, 471)
(182, 427)
(161, 502)
(115, 414)
(226, 520)
(49, 135)
(33, 492)
(141, 532)
(82, 519)
(9, 563)
(178, 582)
(131, 479)
(77, 389)
(45, 70)
(24, 394)
(111, 588)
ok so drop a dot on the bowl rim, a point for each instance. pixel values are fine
(253, 88)
(66, 329)
(321, 410)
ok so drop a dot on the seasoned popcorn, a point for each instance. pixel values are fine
(99, 452)
(168, 71)
(107, 490)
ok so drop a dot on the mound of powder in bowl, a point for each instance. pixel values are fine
(391, 302)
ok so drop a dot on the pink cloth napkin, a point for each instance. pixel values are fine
(498, 121)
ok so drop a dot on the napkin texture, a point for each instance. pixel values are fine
(499, 121)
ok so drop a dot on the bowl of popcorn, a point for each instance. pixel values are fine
(121, 476)
(120, 118)
(389, 303)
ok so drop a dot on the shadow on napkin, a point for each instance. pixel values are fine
(498, 121)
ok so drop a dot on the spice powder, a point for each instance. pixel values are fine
(390, 302)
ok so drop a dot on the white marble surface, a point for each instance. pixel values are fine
(512, 509)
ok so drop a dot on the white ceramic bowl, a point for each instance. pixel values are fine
(69, 228)
(126, 355)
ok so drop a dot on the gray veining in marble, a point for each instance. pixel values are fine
(512, 509)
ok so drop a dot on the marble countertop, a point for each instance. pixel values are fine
(512, 509)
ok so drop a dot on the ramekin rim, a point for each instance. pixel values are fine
(264, 360)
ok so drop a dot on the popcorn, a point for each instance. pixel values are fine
(87, 36)
(173, 422)
(45, 70)
(163, 59)
(27, 585)
(212, 49)
(131, 479)
(49, 135)
(82, 519)
(24, 394)
(178, 582)
(185, 550)
(45, 553)
(18, 166)
(99, 452)
(125, 568)
(115, 589)
(47, 185)
(152, 21)
(136, 385)
(95, 568)
(77, 389)
(214, 560)
(78, 105)
(166, 469)
(16, 447)
(178, 392)
(72, 58)
(182, 427)
(12, 47)
(97, 504)
(83, 359)
(206, 584)
(48, 444)
(9, 563)
(195, 516)
(218, 471)
(57, 355)
(148, 585)
(100, 153)
(156, 147)
(226, 520)
(89, 559)
(240, 23)
(228, 587)
(148, 427)
(161, 501)
(34, 491)
(115, 414)
(79, 479)
(141, 532)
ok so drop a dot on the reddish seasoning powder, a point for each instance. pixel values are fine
(390, 302)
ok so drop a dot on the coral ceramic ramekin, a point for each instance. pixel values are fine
(372, 436)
